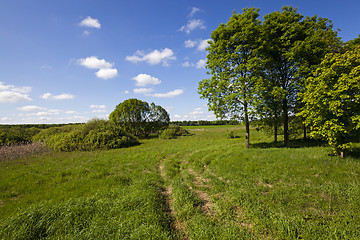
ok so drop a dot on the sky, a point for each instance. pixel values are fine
(68, 61)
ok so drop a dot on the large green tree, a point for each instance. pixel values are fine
(332, 100)
(139, 118)
(291, 46)
(232, 62)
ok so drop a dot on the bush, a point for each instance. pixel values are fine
(96, 134)
(173, 131)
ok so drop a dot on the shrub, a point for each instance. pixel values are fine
(173, 131)
(96, 134)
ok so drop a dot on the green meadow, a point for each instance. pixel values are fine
(202, 186)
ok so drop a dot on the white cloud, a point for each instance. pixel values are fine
(105, 68)
(203, 44)
(94, 63)
(201, 63)
(143, 90)
(126, 92)
(152, 58)
(197, 111)
(107, 73)
(187, 64)
(144, 79)
(193, 11)
(63, 96)
(30, 108)
(190, 43)
(90, 22)
(12, 94)
(93, 106)
(174, 93)
(99, 111)
(70, 112)
(192, 25)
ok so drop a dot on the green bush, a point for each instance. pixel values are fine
(173, 131)
(96, 134)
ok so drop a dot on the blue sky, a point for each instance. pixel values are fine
(67, 61)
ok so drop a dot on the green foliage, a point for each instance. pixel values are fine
(173, 131)
(16, 134)
(139, 118)
(332, 100)
(96, 134)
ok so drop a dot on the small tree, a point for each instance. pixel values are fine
(332, 100)
(139, 118)
(232, 61)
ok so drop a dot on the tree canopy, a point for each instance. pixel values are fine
(139, 118)
(332, 100)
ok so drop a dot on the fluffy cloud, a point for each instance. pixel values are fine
(143, 90)
(174, 93)
(97, 106)
(192, 25)
(190, 43)
(201, 63)
(152, 58)
(64, 96)
(105, 68)
(94, 63)
(30, 108)
(144, 79)
(201, 44)
(107, 73)
(12, 94)
(90, 22)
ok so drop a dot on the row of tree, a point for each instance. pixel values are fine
(267, 70)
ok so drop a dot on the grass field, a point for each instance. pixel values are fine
(203, 186)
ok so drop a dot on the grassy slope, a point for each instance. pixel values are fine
(214, 187)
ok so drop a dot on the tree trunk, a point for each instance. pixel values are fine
(304, 132)
(286, 122)
(342, 153)
(247, 126)
(275, 133)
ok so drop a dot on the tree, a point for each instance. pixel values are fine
(138, 118)
(332, 100)
(232, 62)
(290, 48)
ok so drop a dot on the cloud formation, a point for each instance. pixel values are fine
(94, 63)
(201, 44)
(90, 22)
(12, 94)
(105, 68)
(193, 11)
(171, 94)
(201, 63)
(192, 25)
(144, 79)
(107, 73)
(63, 96)
(93, 106)
(143, 90)
(152, 58)
(30, 108)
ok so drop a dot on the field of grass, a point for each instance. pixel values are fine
(203, 186)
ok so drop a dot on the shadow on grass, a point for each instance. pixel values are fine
(355, 153)
(297, 143)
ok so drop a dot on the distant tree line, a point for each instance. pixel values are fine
(283, 69)
(205, 122)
